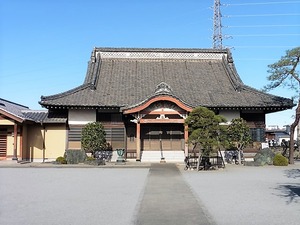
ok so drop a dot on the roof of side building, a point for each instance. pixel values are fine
(22, 113)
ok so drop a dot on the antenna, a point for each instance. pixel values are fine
(217, 35)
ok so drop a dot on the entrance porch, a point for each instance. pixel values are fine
(159, 132)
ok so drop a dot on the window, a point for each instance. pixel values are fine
(109, 117)
(257, 134)
(75, 134)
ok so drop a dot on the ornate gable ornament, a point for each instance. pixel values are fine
(163, 88)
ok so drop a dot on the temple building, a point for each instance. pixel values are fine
(143, 95)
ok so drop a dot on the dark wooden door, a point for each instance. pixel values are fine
(165, 136)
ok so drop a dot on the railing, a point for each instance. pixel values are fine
(204, 162)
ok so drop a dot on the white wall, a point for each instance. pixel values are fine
(229, 115)
(81, 116)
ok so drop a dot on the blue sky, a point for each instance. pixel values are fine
(45, 45)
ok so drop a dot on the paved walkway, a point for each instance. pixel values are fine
(168, 199)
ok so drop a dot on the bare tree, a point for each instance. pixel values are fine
(284, 73)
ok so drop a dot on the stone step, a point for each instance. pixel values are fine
(169, 156)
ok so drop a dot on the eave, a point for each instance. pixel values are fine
(79, 107)
(12, 116)
(267, 109)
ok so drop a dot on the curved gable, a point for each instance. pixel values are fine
(146, 104)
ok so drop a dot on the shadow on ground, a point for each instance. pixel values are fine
(293, 173)
(291, 192)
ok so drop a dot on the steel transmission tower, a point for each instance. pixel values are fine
(217, 31)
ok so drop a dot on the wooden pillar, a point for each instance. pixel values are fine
(44, 141)
(138, 141)
(21, 142)
(186, 136)
(15, 156)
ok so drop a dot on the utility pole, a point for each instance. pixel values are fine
(217, 29)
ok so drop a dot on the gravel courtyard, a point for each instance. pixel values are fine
(111, 196)
(75, 196)
(249, 195)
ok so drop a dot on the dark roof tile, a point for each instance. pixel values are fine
(124, 78)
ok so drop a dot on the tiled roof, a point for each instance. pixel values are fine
(122, 77)
(43, 116)
(13, 108)
(23, 113)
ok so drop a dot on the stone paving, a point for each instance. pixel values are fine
(168, 200)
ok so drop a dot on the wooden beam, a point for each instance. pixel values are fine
(15, 156)
(162, 121)
(138, 142)
(161, 112)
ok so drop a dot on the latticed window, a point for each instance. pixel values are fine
(115, 136)
(112, 134)
(257, 134)
(75, 133)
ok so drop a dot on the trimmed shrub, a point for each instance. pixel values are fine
(94, 161)
(90, 160)
(280, 160)
(61, 160)
(93, 137)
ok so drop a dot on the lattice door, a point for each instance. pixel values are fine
(3, 143)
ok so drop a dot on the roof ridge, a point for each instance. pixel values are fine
(181, 50)
(34, 110)
(71, 91)
(232, 74)
(17, 104)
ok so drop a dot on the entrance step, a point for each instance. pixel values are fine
(169, 156)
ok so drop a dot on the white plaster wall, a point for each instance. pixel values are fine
(81, 116)
(229, 115)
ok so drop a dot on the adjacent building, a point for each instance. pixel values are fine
(31, 135)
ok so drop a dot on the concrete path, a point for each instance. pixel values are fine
(168, 199)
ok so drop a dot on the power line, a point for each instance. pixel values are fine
(262, 35)
(264, 3)
(260, 31)
(261, 15)
(267, 25)
(255, 59)
(264, 46)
